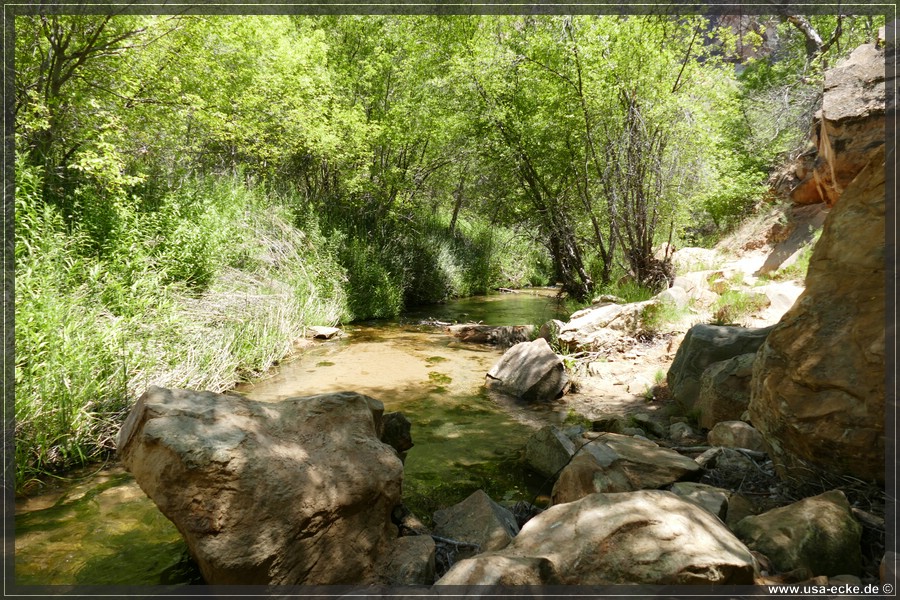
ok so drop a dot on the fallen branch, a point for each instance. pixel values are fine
(457, 543)
(745, 451)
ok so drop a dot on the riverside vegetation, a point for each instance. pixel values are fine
(192, 192)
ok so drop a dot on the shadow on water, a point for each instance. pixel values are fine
(99, 530)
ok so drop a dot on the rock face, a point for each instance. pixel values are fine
(702, 346)
(649, 537)
(529, 370)
(617, 463)
(817, 533)
(725, 390)
(295, 492)
(817, 392)
(848, 129)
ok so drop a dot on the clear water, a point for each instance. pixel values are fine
(102, 529)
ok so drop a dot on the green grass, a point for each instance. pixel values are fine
(93, 330)
(734, 305)
(658, 317)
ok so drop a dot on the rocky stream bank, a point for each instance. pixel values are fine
(705, 444)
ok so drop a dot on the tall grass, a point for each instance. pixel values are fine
(212, 287)
(418, 260)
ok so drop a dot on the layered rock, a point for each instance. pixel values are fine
(294, 492)
(529, 370)
(848, 130)
(645, 537)
(503, 336)
(817, 391)
(602, 324)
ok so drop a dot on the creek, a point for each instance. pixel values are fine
(97, 527)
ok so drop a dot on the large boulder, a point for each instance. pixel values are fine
(817, 391)
(495, 569)
(818, 533)
(618, 463)
(725, 390)
(848, 130)
(646, 537)
(529, 370)
(602, 324)
(702, 346)
(294, 492)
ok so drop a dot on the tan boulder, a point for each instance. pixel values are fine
(818, 533)
(529, 370)
(619, 463)
(847, 131)
(646, 537)
(817, 391)
(294, 492)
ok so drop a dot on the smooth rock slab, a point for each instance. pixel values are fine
(529, 370)
(645, 537)
(294, 492)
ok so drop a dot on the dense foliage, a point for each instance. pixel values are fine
(193, 191)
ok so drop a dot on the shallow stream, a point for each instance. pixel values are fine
(99, 528)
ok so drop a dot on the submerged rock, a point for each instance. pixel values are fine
(294, 492)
